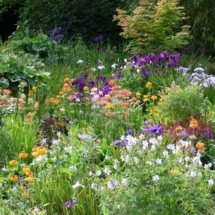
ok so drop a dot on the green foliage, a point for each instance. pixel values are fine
(16, 68)
(88, 18)
(42, 45)
(154, 28)
(179, 104)
(201, 17)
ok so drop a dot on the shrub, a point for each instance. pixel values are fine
(153, 28)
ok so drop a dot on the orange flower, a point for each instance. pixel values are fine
(106, 98)
(102, 103)
(61, 93)
(110, 106)
(7, 92)
(112, 92)
(126, 104)
(116, 87)
(110, 115)
(134, 99)
(200, 146)
(68, 90)
(30, 93)
(125, 114)
(47, 101)
(54, 101)
(66, 85)
(66, 80)
(112, 82)
(86, 88)
(194, 123)
(70, 98)
(36, 105)
(125, 93)
(21, 105)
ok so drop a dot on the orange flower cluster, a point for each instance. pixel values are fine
(194, 123)
(38, 151)
(52, 101)
(29, 117)
(117, 98)
(200, 146)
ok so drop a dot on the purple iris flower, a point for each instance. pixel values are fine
(154, 129)
(59, 37)
(130, 132)
(97, 39)
(71, 203)
(118, 76)
(208, 133)
(102, 49)
(55, 30)
(117, 143)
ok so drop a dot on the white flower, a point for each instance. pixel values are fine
(165, 153)
(98, 173)
(93, 186)
(156, 178)
(80, 61)
(107, 171)
(115, 164)
(114, 65)
(73, 168)
(158, 161)
(93, 69)
(62, 109)
(211, 182)
(199, 69)
(136, 160)
(138, 71)
(77, 184)
(101, 67)
(127, 158)
(110, 185)
(124, 181)
(90, 173)
(192, 174)
(125, 60)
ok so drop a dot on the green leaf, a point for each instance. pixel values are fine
(4, 83)
(31, 81)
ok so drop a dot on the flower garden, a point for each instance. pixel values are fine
(96, 130)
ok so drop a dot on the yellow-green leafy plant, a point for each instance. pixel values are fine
(154, 28)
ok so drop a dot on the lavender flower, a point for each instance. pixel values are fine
(71, 203)
(130, 132)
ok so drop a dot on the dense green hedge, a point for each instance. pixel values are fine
(92, 18)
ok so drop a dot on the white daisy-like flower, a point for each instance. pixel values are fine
(156, 178)
(80, 61)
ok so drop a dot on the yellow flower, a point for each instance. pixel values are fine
(149, 85)
(110, 106)
(41, 150)
(29, 179)
(167, 90)
(14, 178)
(154, 98)
(23, 155)
(138, 94)
(34, 154)
(34, 88)
(26, 170)
(160, 103)
(25, 194)
(13, 163)
(146, 96)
